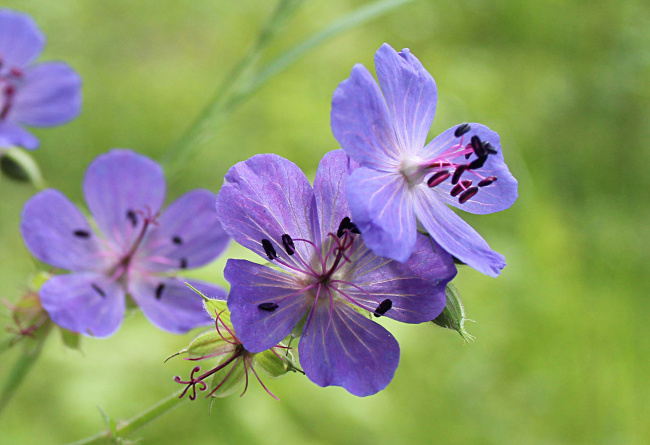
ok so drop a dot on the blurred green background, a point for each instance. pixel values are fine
(562, 346)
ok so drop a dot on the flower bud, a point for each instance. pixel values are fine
(453, 315)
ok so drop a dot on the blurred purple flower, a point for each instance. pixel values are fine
(403, 182)
(323, 274)
(40, 95)
(138, 253)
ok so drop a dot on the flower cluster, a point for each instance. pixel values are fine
(372, 238)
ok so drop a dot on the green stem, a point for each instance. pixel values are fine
(241, 84)
(130, 426)
(22, 367)
(192, 140)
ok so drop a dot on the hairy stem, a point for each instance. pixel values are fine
(130, 426)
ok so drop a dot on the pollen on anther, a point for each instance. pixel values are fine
(477, 146)
(467, 194)
(383, 307)
(268, 248)
(438, 178)
(456, 190)
(346, 224)
(459, 171)
(98, 289)
(269, 307)
(477, 163)
(288, 244)
(131, 216)
(487, 181)
(81, 233)
(159, 290)
(461, 130)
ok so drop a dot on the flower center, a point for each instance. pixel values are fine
(9, 80)
(323, 279)
(446, 165)
(413, 168)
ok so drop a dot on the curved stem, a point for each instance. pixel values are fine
(132, 425)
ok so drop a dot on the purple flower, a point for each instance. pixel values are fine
(404, 183)
(322, 273)
(139, 252)
(40, 95)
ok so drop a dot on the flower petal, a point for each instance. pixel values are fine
(188, 234)
(362, 124)
(20, 39)
(120, 186)
(348, 350)
(382, 209)
(49, 94)
(172, 306)
(57, 233)
(253, 284)
(416, 289)
(410, 93)
(11, 134)
(329, 188)
(266, 197)
(495, 197)
(455, 235)
(86, 302)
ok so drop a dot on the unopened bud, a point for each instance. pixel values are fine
(453, 315)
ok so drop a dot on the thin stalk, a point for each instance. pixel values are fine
(213, 113)
(132, 425)
(22, 367)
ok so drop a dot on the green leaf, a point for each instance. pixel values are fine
(453, 316)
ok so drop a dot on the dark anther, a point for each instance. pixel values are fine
(383, 307)
(159, 291)
(466, 183)
(477, 163)
(99, 290)
(268, 248)
(183, 263)
(81, 233)
(288, 244)
(477, 146)
(467, 194)
(459, 171)
(346, 224)
(131, 216)
(456, 190)
(438, 177)
(488, 147)
(270, 307)
(487, 181)
(177, 240)
(461, 130)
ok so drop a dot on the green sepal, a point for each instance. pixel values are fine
(272, 364)
(213, 306)
(453, 315)
(209, 343)
(233, 382)
(70, 339)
